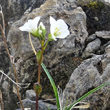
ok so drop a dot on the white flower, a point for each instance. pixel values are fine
(58, 29)
(31, 25)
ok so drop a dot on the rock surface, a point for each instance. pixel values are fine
(30, 94)
(14, 9)
(62, 57)
(21, 49)
(91, 73)
(58, 53)
(103, 34)
(91, 48)
(29, 104)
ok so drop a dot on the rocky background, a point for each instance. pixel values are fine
(78, 63)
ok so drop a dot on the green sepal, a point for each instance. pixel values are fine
(37, 88)
(43, 31)
(50, 37)
(43, 34)
(35, 33)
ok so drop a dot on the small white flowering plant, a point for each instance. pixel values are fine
(58, 30)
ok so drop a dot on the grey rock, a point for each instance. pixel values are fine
(29, 104)
(42, 105)
(30, 94)
(71, 1)
(14, 9)
(91, 48)
(5, 86)
(91, 38)
(86, 77)
(73, 44)
(102, 48)
(103, 34)
(105, 61)
(46, 106)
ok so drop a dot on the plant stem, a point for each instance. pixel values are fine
(30, 40)
(37, 98)
(39, 72)
(14, 69)
(39, 63)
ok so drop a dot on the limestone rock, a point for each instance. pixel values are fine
(14, 9)
(87, 76)
(29, 104)
(91, 48)
(30, 94)
(103, 34)
(91, 38)
(57, 53)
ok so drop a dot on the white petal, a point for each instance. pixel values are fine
(35, 22)
(52, 21)
(25, 27)
(64, 34)
(53, 24)
(30, 25)
(63, 28)
(52, 27)
(61, 24)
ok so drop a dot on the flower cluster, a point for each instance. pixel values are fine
(58, 29)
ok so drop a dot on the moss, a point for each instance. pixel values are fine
(98, 15)
(95, 5)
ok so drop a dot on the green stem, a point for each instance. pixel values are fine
(40, 61)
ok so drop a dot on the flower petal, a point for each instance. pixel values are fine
(63, 34)
(35, 22)
(61, 24)
(53, 24)
(52, 21)
(30, 25)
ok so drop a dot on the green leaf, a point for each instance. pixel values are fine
(53, 85)
(86, 95)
